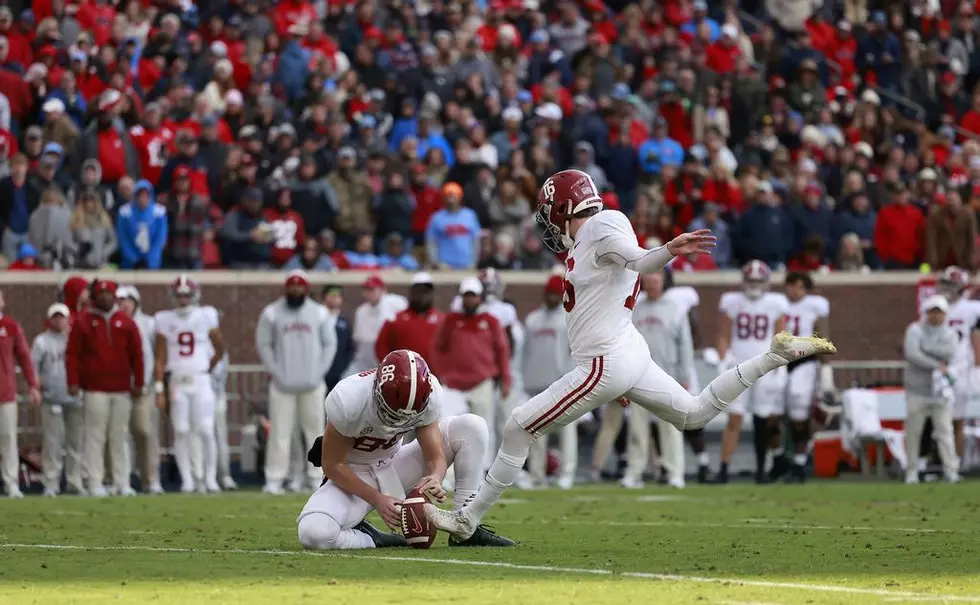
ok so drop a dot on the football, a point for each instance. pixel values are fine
(418, 533)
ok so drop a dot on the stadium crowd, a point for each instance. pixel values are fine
(322, 135)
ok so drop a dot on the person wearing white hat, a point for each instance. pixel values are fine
(144, 421)
(296, 340)
(62, 417)
(929, 347)
(471, 353)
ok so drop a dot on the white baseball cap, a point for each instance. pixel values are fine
(471, 285)
(936, 301)
(422, 278)
(58, 309)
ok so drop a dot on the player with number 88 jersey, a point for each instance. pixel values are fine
(188, 346)
(366, 465)
(612, 360)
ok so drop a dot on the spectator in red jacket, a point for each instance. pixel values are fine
(415, 327)
(899, 232)
(13, 349)
(288, 232)
(470, 353)
(722, 56)
(105, 360)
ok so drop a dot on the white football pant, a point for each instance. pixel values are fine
(480, 400)
(9, 454)
(285, 411)
(920, 408)
(221, 435)
(63, 430)
(801, 390)
(192, 408)
(107, 419)
(329, 515)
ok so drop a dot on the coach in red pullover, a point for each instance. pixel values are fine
(105, 360)
(415, 327)
(13, 349)
(470, 352)
(900, 232)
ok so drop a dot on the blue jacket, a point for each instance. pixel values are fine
(722, 254)
(76, 110)
(142, 232)
(807, 223)
(764, 233)
(345, 351)
(403, 127)
(622, 169)
(848, 221)
(293, 68)
(454, 235)
(871, 52)
(655, 154)
(436, 139)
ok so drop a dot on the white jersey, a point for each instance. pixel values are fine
(753, 321)
(350, 408)
(599, 298)
(368, 320)
(963, 316)
(684, 297)
(802, 315)
(188, 334)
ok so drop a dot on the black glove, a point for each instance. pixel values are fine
(315, 455)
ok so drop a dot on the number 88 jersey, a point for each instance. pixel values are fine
(188, 335)
(753, 321)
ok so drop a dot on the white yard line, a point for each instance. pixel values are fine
(890, 594)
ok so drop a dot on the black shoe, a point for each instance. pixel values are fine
(761, 478)
(797, 474)
(381, 539)
(722, 477)
(483, 536)
(780, 466)
(703, 474)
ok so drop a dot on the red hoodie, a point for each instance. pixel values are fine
(409, 330)
(899, 233)
(105, 353)
(13, 350)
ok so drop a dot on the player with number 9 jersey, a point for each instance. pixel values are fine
(612, 361)
(187, 332)
(188, 346)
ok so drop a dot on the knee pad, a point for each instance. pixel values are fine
(468, 428)
(318, 531)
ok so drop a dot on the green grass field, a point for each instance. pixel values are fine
(825, 542)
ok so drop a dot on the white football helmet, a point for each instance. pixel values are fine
(186, 291)
(952, 283)
(755, 279)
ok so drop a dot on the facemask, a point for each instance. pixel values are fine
(295, 302)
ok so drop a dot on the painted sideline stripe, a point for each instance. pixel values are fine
(541, 568)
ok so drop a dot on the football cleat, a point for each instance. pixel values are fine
(792, 348)
(565, 482)
(797, 474)
(458, 523)
(722, 477)
(631, 482)
(381, 539)
(780, 466)
(483, 536)
(228, 484)
(703, 473)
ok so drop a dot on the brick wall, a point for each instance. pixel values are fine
(867, 320)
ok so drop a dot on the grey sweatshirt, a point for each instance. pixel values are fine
(926, 347)
(546, 353)
(148, 330)
(219, 377)
(665, 328)
(296, 346)
(48, 355)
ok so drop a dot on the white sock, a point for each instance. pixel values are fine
(777, 452)
(732, 383)
(799, 459)
(703, 459)
(351, 538)
(209, 447)
(504, 470)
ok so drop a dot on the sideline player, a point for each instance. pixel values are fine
(366, 466)
(612, 360)
(188, 346)
(964, 317)
(748, 320)
(806, 315)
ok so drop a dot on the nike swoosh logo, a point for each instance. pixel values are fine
(417, 525)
